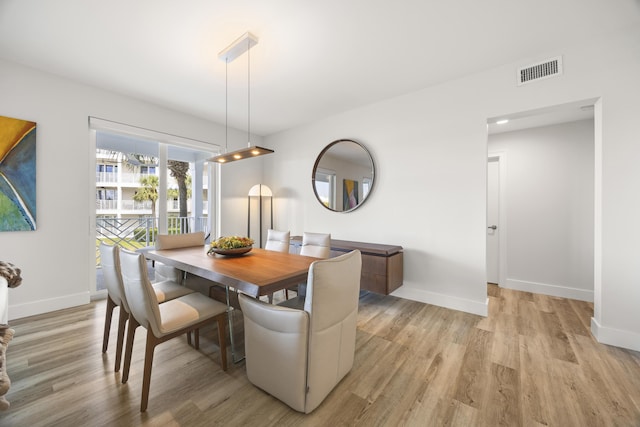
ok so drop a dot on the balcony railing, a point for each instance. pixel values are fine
(106, 204)
(136, 233)
(132, 205)
(139, 207)
(106, 177)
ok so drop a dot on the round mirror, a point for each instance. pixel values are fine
(343, 175)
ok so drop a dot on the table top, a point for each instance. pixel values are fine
(259, 272)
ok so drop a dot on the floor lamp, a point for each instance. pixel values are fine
(260, 191)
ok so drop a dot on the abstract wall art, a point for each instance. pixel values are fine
(17, 174)
(349, 194)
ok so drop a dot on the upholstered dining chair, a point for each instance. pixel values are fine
(112, 276)
(175, 241)
(317, 245)
(278, 241)
(196, 283)
(163, 321)
(299, 356)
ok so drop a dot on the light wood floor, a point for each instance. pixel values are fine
(531, 362)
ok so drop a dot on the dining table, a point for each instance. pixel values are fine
(257, 273)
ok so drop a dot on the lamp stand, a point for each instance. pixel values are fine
(262, 192)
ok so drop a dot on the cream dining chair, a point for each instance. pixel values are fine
(317, 245)
(175, 241)
(278, 241)
(299, 356)
(193, 282)
(163, 321)
(112, 276)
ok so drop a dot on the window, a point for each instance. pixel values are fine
(106, 194)
(325, 186)
(107, 168)
(366, 187)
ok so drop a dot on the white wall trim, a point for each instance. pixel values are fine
(597, 208)
(96, 123)
(547, 289)
(442, 300)
(615, 337)
(47, 305)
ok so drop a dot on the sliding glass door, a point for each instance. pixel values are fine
(145, 186)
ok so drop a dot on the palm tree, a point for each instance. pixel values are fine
(174, 194)
(148, 191)
(180, 171)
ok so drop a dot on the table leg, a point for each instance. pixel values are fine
(236, 354)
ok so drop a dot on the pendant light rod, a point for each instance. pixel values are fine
(248, 92)
(226, 107)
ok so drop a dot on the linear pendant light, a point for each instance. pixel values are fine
(243, 44)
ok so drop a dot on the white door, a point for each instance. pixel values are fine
(493, 227)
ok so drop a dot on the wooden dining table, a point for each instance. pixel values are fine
(256, 273)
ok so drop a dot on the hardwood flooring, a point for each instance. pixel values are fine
(531, 362)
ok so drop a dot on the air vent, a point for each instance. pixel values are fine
(539, 71)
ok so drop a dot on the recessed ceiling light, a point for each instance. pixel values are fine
(503, 121)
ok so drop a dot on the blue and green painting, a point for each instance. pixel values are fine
(17, 174)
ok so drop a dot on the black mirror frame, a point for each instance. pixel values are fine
(317, 162)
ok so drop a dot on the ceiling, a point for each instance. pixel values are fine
(313, 59)
(570, 112)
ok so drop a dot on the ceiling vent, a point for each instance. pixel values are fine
(541, 70)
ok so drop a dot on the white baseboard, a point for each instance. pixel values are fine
(546, 289)
(18, 311)
(615, 337)
(441, 300)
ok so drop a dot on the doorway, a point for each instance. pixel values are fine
(551, 205)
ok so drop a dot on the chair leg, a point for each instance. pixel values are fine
(122, 321)
(196, 340)
(107, 323)
(131, 332)
(222, 340)
(148, 363)
(189, 338)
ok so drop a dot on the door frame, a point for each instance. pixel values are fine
(501, 157)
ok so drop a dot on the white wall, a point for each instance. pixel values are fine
(58, 258)
(549, 208)
(430, 151)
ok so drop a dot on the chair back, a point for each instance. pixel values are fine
(140, 295)
(316, 245)
(333, 290)
(278, 241)
(175, 241)
(184, 240)
(111, 274)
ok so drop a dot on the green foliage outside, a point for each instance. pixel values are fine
(128, 244)
(140, 234)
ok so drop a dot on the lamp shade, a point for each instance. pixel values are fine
(260, 190)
